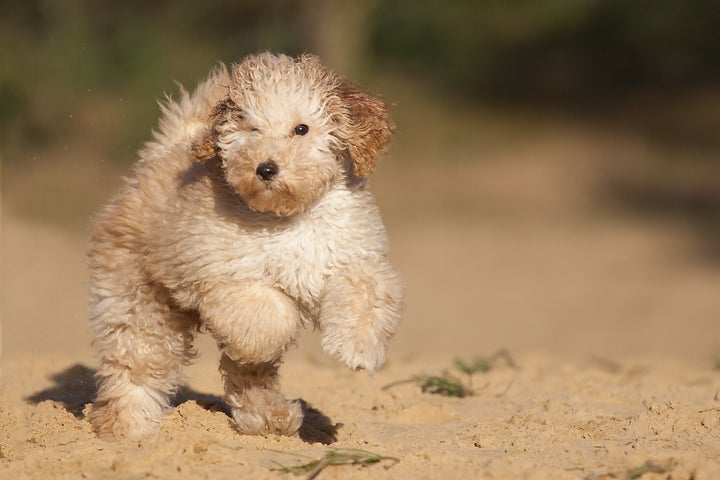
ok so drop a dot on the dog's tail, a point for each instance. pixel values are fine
(182, 118)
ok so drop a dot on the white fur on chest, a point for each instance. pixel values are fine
(341, 229)
(299, 259)
(295, 254)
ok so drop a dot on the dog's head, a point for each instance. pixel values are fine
(289, 129)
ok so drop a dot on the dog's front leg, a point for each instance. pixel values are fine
(359, 313)
(253, 393)
(253, 325)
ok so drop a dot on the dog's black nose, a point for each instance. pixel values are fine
(267, 170)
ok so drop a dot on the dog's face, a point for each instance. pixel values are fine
(289, 129)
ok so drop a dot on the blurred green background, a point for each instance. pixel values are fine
(79, 79)
(551, 136)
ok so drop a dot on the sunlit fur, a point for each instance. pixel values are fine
(197, 239)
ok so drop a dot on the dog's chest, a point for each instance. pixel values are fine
(296, 255)
(300, 258)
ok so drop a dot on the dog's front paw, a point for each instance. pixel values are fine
(267, 412)
(358, 348)
(360, 313)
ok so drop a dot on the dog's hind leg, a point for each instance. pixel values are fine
(143, 341)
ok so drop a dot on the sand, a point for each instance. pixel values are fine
(545, 419)
(600, 400)
(612, 324)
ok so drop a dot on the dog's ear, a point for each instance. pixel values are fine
(368, 129)
(204, 145)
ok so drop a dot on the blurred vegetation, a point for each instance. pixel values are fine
(60, 58)
(72, 65)
(557, 48)
(79, 79)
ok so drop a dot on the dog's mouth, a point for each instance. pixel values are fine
(271, 195)
(269, 201)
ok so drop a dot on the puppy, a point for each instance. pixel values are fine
(248, 216)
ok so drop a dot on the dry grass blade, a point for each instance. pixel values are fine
(451, 386)
(647, 467)
(485, 364)
(348, 456)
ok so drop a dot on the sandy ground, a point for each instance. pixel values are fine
(613, 325)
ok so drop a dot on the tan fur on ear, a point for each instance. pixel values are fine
(204, 145)
(369, 128)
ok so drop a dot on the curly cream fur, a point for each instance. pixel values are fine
(198, 238)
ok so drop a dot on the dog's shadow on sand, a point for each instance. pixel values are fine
(75, 387)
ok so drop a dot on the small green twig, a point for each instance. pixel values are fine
(348, 456)
(444, 384)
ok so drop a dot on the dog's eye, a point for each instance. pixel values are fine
(301, 129)
(254, 129)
